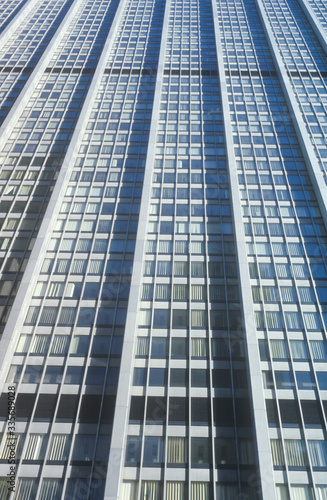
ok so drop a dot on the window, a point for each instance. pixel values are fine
(60, 345)
(162, 292)
(153, 451)
(180, 292)
(279, 349)
(305, 380)
(270, 294)
(181, 269)
(293, 321)
(83, 448)
(312, 321)
(51, 489)
(180, 318)
(200, 491)
(32, 374)
(53, 375)
(284, 380)
(319, 350)
(198, 348)
(159, 347)
(151, 490)
(299, 350)
(144, 318)
(198, 292)
(178, 347)
(175, 490)
(142, 347)
(277, 453)
(274, 320)
(74, 375)
(200, 455)
(36, 447)
(318, 454)
(198, 319)
(177, 451)
(178, 377)
(26, 488)
(40, 344)
(299, 492)
(296, 454)
(157, 377)
(133, 451)
(161, 318)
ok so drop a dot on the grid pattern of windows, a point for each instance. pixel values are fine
(285, 238)
(31, 159)
(72, 336)
(319, 8)
(8, 10)
(183, 148)
(189, 333)
(22, 51)
(306, 64)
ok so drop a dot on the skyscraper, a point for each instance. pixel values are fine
(163, 293)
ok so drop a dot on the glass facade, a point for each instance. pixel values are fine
(163, 279)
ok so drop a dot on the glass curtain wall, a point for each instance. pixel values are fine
(286, 244)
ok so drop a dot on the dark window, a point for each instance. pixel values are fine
(90, 408)
(178, 411)
(159, 347)
(156, 410)
(136, 414)
(45, 407)
(153, 451)
(243, 412)
(221, 379)
(272, 414)
(200, 411)
(223, 412)
(108, 409)
(225, 451)
(289, 413)
(67, 408)
(178, 347)
(178, 377)
(200, 452)
(199, 378)
(161, 318)
(312, 415)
